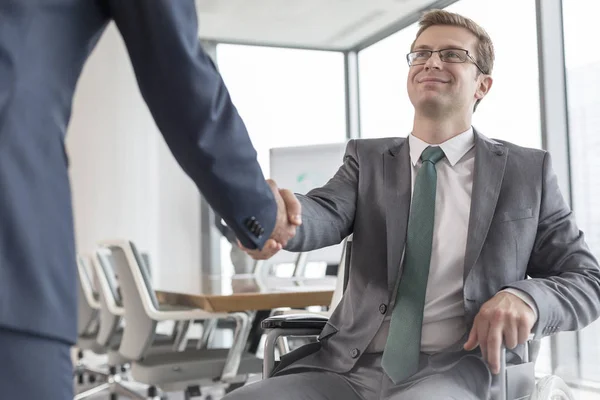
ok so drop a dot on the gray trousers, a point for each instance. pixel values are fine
(468, 378)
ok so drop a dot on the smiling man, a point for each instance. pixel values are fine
(447, 224)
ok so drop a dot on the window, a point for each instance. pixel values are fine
(384, 105)
(511, 110)
(583, 96)
(286, 97)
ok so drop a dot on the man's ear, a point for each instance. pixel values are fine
(484, 86)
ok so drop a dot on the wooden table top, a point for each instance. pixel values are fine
(246, 293)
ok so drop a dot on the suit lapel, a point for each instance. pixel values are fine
(490, 161)
(397, 180)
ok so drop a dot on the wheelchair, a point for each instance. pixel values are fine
(514, 382)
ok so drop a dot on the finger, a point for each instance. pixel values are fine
(482, 335)
(273, 185)
(292, 205)
(269, 249)
(494, 344)
(511, 334)
(523, 331)
(472, 341)
(275, 190)
(290, 232)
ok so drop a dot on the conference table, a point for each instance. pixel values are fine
(252, 293)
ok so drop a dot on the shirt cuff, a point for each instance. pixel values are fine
(525, 297)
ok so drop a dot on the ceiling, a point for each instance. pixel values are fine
(313, 24)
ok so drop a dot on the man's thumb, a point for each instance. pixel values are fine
(293, 206)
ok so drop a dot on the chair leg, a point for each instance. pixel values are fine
(123, 390)
(154, 395)
(240, 340)
(92, 391)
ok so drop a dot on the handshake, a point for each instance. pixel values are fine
(289, 213)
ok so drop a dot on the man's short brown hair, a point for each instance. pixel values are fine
(484, 53)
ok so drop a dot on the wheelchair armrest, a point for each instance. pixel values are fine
(502, 390)
(288, 325)
(295, 321)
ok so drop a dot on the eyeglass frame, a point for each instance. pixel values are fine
(469, 57)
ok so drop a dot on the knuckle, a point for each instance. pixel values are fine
(514, 316)
(486, 313)
(522, 320)
(498, 314)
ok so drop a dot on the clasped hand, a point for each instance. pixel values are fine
(289, 213)
(505, 318)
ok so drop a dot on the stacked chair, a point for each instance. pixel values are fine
(163, 364)
(88, 323)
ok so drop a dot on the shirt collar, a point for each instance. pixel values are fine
(454, 148)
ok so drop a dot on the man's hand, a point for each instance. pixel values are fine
(289, 213)
(505, 318)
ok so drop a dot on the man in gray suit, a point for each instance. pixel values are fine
(447, 226)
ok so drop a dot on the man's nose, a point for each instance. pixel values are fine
(434, 61)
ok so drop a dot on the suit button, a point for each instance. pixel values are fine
(382, 308)
(354, 353)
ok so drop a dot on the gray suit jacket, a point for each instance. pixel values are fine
(519, 226)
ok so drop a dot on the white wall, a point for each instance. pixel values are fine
(125, 182)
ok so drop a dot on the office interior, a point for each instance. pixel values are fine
(310, 74)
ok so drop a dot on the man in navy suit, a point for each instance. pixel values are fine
(43, 47)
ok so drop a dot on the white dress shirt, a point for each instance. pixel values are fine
(443, 318)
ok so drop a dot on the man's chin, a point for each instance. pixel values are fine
(434, 108)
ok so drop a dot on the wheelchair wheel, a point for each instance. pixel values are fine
(552, 387)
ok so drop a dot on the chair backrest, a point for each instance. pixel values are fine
(138, 297)
(111, 305)
(88, 304)
(109, 274)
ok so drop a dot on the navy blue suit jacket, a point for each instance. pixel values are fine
(43, 47)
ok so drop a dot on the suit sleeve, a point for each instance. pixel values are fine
(193, 110)
(565, 284)
(328, 212)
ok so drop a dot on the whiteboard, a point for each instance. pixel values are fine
(300, 169)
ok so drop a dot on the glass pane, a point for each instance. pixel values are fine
(510, 111)
(384, 104)
(583, 91)
(286, 97)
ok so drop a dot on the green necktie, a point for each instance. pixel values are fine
(401, 353)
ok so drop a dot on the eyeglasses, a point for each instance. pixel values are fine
(454, 56)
